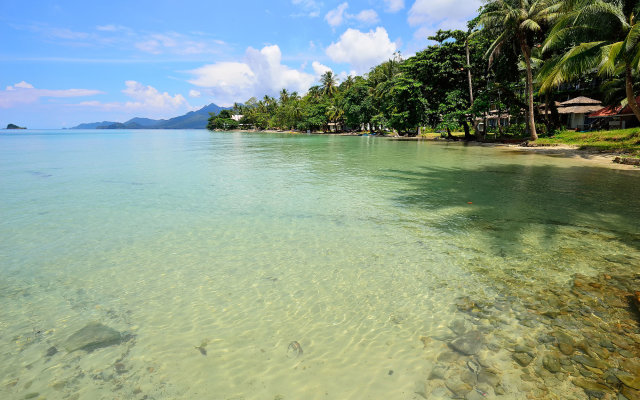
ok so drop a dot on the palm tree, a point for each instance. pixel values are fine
(518, 22)
(284, 96)
(348, 83)
(335, 113)
(315, 92)
(269, 103)
(328, 83)
(614, 52)
(238, 109)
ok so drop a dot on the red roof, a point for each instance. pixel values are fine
(612, 111)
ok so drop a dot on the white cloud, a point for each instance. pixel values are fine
(319, 69)
(26, 93)
(261, 72)
(310, 7)
(194, 93)
(150, 97)
(369, 17)
(394, 5)
(423, 33)
(434, 11)
(431, 15)
(113, 28)
(336, 16)
(122, 37)
(23, 85)
(64, 33)
(224, 75)
(176, 43)
(145, 99)
(339, 15)
(362, 50)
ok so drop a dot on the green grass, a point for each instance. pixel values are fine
(616, 141)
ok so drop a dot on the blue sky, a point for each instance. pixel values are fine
(67, 62)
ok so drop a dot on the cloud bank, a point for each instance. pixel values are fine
(26, 93)
(261, 72)
(448, 14)
(144, 99)
(339, 15)
(362, 50)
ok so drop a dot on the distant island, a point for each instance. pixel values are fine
(14, 126)
(191, 120)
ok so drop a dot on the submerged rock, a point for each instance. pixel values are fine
(630, 394)
(51, 351)
(590, 362)
(458, 388)
(551, 363)
(437, 372)
(468, 344)
(592, 388)
(566, 348)
(459, 326)
(629, 380)
(94, 336)
(523, 359)
(489, 377)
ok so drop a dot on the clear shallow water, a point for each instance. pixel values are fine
(354, 247)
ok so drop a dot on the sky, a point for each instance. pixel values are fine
(67, 62)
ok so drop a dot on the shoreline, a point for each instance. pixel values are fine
(554, 150)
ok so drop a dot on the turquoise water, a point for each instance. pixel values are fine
(354, 247)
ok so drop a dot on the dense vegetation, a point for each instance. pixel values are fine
(517, 57)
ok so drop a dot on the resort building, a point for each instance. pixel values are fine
(616, 117)
(575, 113)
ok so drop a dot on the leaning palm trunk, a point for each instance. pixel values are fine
(526, 52)
(631, 98)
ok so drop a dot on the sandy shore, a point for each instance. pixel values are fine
(568, 151)
(560, 150)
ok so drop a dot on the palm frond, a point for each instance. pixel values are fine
(633, 37)
(530, 25)
(610, 60)
(495, 47)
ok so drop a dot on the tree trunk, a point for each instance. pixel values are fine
(500, 130)
(547, 105)
(526, 52)
(467, 134)
(631, 98)
(469, 72)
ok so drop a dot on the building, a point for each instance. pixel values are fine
(575, 113)
(616, 117)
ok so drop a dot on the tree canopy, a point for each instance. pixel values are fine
(515, 58)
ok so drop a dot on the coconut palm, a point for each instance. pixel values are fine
(520, 23)
(328, 83)
(315, 92)
(335, 113)
(284, 96)
(348, 83)
(614, 52)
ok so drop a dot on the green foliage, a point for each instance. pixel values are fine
(222, 121)
(495, 59)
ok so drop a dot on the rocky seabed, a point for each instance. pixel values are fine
(581, 342)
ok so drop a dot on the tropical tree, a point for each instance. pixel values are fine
(334, 113)
(520, 23)
(328, 84)
(600, 35)
(348, 83)
(358, 105)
